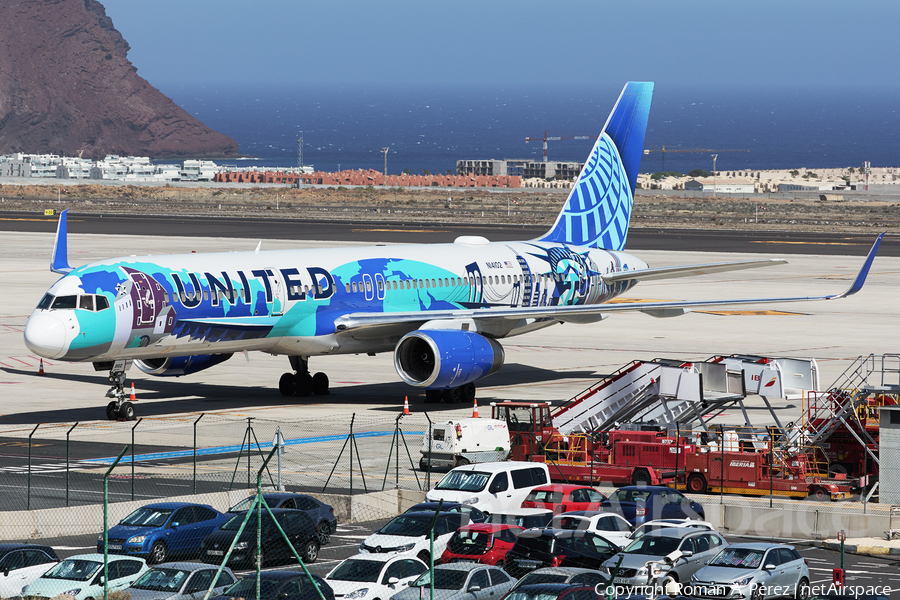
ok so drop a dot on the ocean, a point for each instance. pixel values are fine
(430, 128)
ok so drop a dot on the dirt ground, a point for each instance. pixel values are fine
(397, 204)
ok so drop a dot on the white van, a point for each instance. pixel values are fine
(464, 441)
(491, 487)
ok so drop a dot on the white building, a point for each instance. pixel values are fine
(198, 170)
(721, 186)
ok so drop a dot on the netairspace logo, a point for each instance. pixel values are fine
(725, 591)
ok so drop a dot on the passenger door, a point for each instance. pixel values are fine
(185, 535)
(12, 574)
(479, 586)
(199, 583)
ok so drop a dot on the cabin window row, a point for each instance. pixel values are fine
(442, 282)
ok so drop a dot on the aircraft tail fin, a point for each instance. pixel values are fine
(59, 261)
(598, 209)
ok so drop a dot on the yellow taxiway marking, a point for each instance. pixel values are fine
(43, 219)
(747, 312)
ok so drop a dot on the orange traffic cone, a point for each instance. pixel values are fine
(475, 410)
(41, 368)
(406, 405)
(132, 398)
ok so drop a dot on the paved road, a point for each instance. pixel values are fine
(682, 240)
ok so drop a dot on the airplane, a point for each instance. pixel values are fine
(440, 308)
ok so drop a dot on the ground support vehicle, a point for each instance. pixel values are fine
(793, 475)
(620, 457)
(464, 441)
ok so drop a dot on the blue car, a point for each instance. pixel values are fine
(642, 503)
(159, 531)
(321, 514)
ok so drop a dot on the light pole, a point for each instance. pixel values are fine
(715, 179)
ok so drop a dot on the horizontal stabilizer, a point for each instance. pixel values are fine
(689, 271)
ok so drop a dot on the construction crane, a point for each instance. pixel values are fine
(555, 138)
(664, 151)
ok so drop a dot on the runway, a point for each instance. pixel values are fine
(680, 240)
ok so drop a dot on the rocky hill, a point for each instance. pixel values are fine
(66, 85)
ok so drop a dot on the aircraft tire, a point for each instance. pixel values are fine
(451, 396)
(320, 384)
(468, 392)
(287, 385)
(127, 411)
(112, 411)
(304, 383)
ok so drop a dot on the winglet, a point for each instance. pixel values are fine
(59, 261)
(863, 272)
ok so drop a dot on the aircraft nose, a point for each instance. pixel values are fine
(45, 335)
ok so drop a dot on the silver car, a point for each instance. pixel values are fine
(674, 554)
(460, 581)
(180, 581)
(754, 571)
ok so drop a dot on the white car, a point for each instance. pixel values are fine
(407, 535)
(491, 487)
(374, 576)
(20, 564)
(667, 523)
(611, 526)
(81, 576)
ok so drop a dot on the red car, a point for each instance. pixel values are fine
(564, 497)
(486, 543)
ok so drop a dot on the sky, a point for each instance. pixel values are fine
(488, 42)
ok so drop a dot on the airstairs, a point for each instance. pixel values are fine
(660, 392)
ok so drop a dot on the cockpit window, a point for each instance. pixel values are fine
(102, 303)
(45, 302)
(65, 302)
(86, 303)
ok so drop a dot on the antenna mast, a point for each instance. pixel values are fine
(385, 150)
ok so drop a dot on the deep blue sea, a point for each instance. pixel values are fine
(433, 127)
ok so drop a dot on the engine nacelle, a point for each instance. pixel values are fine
(441, 359)
(176, 366)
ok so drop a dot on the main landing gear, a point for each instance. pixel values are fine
(118, 408)
(300, 382)
(463, 393)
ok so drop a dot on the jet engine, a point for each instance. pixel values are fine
(443, 359)
(176, 366)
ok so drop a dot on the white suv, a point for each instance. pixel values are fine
(407, 534)
(490, 487)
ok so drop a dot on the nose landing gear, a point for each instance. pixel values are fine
(119, 408)
(300, 382)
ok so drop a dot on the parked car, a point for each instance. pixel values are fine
(574, 576)
(486, 543)
(691, 548)
(755, 571)
(407, 534)
(564, 497)
(81, 576)
(279, 585)
(321, 514)
(459, 581)
(612, 526)
(527, 518)
(640, 503)
(475, 515)
(374, 576)
(536, 548)
(162, 530)
(296, 524)
(552, 591)
(20, 564)
(491, 487)
(180, 581)
(668, 523)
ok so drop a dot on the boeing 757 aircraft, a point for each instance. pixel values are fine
(441, 308)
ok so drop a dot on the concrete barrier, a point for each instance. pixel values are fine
(88, 519)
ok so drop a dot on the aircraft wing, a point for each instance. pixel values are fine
(690, 270)
(582, 313)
